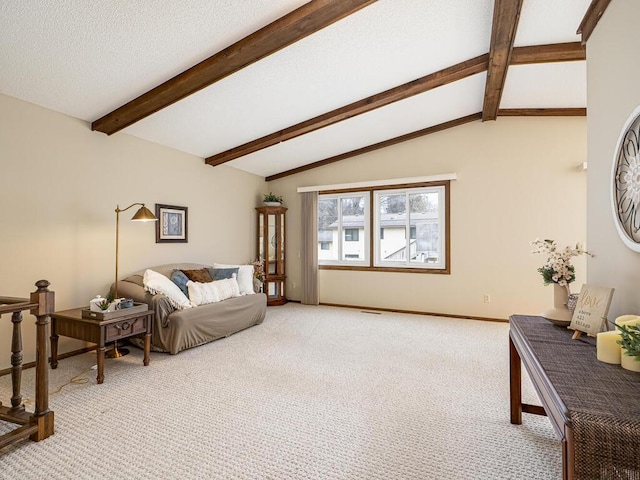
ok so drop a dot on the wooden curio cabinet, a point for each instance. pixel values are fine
(271, 249)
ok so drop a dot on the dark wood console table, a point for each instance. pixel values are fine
(594, 407)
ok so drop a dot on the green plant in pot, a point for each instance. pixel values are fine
(106, 303)
(630, 343)
(272, 199)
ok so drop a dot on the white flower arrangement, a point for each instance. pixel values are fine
(558, 268)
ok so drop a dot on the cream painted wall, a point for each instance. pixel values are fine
(60, 184)
(517, 180)
(613, 93)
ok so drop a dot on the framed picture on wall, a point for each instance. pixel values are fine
(172, 224)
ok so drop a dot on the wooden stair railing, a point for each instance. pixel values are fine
(39, 424)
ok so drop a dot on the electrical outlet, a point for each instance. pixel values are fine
(487, 298)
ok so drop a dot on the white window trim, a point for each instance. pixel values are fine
(367, 216)
(441, 264)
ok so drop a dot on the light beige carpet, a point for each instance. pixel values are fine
(313, 393)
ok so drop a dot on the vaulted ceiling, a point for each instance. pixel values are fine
(278, 86)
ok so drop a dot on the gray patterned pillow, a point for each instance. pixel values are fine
(180, 279)
(222, 273)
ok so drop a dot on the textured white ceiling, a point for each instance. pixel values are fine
(88, 58)
(427, 109)
(549, 21)
(547, 85)
(366, 53)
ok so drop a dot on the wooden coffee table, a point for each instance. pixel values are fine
(70, 323)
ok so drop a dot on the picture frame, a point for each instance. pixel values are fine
(590, 314)
(172, 225)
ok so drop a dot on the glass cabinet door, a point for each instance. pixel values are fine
(273, 244)
(271, 250)
(261, 236)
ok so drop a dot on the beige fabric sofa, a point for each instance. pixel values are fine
(176, 330)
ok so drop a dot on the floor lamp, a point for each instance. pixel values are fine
(142, 215)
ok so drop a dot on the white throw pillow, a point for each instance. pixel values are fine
(245, 277)
(212, 292)
(155, 282)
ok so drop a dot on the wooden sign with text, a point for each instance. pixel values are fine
(590, 315)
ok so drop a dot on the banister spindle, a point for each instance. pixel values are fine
(16, 363)
(40, 424)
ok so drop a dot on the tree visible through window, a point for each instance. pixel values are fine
(415, 217)
(342, 220)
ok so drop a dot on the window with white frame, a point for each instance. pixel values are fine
(413, 220)
(410, 225)
(343, 224)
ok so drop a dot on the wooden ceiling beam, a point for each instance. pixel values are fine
(300, 23)
(556, 52)
(591, 18)
(377, 146)
(503, 112)
(542, 112)
(506, 14)
(415, 87)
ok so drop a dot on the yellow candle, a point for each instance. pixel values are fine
(607, 348)
(623, 319)
(629, 323)
(630, 363)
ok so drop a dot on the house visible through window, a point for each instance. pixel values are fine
(411, 225)
(342, 222)
(413, 219)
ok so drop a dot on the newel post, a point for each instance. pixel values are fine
(45, 307)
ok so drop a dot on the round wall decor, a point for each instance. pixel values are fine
(625, 182)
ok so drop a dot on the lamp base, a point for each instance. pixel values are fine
(116, 352)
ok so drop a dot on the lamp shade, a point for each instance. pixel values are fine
(144, 215)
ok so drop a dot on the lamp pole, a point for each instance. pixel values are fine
(142, 215)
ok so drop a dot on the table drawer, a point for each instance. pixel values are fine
(125, 328)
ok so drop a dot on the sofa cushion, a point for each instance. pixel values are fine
(222, 273)
(180, 279)
(245, 277)
(137, 279)
(212, 292)
(167, 268)
(196, 326)
(201, 275)
(155, 282)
